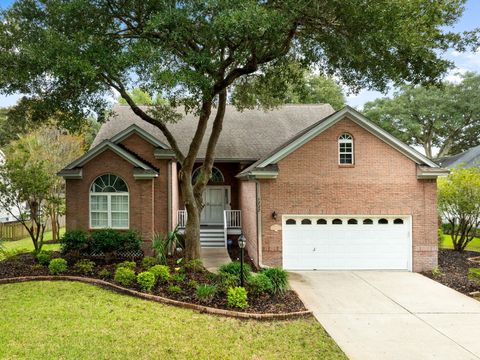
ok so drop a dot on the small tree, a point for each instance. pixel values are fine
(459, 204)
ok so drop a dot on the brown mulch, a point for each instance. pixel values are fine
(26, 265)
(454, 267)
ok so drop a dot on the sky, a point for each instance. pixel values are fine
(468, 61)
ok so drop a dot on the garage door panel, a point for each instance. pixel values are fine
(346, 246)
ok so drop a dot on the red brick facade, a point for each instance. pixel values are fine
(382, 181)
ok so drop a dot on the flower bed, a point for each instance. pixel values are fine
(181, 285)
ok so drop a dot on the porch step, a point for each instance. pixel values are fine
(212, 237)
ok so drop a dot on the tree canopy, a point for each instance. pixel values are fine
(446, 117)
(66, 56)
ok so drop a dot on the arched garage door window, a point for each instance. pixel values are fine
(109, 203)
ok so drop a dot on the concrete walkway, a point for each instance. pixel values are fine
(213, 258)
(392, 315)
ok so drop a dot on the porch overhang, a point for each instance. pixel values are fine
(268, 172)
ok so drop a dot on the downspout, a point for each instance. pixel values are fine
(169, 197)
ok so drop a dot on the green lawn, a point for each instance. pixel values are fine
(27, 245)
(474, 245)
(63, 320)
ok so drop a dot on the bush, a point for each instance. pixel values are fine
(104, 273)
(148, 262)
(174, 289)
(237, 297)
(192, 283)
(127, 264)
(105, 241)
(178, 278)
(278, 277)
(58, 266)
(146, 280)
(226, 281)
(129, 241)
(161, 272)
(124, 276)
(84, 266)
(234, 269)
(258, 284)
(205, 292)
(194, 265)
(43, 257)
(75, 240)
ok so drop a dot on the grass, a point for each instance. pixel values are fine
(27, 245)
(63, 320)
(474, 245)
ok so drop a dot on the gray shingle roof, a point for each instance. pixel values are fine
(468, 158)
(247, 135)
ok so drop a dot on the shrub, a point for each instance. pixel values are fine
(174, 289)
(43, 258)
(127, 264)
(146, 280)
(237, 297)
(192, 283)
(205, 292)
(36, 267)
(194, 265)
(474, 274)
(258, 284)
(278, 277)
(129, 241)
(124, 276)
(58, 266)
(148, 262)
(163, 245)
(234, 269)
(161, 272)
(75, 240)
(104, 273)
(105, 241)
(436, 271)
(84, 266)
(178, 278)
(226, 281)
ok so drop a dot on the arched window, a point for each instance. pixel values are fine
(383, 221)
(337, 222)
(217, 176)
(109, 203)
(345, 149)
(368, 222)
(321, 222)
(398, 221)
(306, 222)
(352, 222)
(290, 222)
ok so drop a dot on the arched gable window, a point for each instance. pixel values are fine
(345, 149)
(217, 176)
(109, 203)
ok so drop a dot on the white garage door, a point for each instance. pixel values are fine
(346, 242)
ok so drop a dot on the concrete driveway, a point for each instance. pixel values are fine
(391, 315)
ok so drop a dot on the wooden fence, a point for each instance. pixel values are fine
(14, 230)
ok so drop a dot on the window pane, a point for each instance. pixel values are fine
(99, 203)
(119, 219)
(99, 219)
(119, 203)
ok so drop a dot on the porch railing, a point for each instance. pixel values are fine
(182, 218)
(232, 218)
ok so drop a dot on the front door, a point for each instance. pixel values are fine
(215, 199)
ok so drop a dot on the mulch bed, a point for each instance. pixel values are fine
(25, 265)
(234, 252)
(454, 266)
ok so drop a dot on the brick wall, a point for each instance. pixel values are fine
(382, 181)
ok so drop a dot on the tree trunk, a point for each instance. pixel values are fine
(194, 208)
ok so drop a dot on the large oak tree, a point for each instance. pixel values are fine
(67, 55)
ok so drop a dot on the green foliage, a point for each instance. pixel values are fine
(258, 284)
(226, 281)
(148, 262)
(161, 272)
(129, 241)
(194, 265)
(84, 266)
(43, 257)
(127, 264)
(142, 97)
(124, 276)
(437, 271)
(192, 283)
(36, 267)
(205, 292)
(57, 266)
(75, 240)
(474, 274)
(105, 241)
(178, 278)
(174, 289)
(104, 273)
(234, 269)
(146, 280)
(446, 116)
(278, 278)
(165, 245)
(441, 236)
(237, 297)
(459, 204)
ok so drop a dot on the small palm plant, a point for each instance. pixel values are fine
(166, 245)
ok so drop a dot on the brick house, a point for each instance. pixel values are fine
(309, 187)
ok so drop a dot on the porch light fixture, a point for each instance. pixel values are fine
(274, 215)
(242, 241)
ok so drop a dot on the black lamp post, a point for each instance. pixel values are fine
(241, 244)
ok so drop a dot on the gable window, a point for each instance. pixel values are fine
(217, 176)
(109, 203)
(345, 149)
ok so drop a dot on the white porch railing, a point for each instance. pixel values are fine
(232, 218)
(182, 218)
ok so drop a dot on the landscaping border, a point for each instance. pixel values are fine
(160, 299)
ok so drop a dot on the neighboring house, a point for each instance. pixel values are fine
(468, 158)
(5, 215)
(310, 188)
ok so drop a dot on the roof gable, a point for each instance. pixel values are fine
(135, 129)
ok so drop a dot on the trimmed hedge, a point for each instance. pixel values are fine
(101, 241)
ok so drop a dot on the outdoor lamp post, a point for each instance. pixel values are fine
(242, 241)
